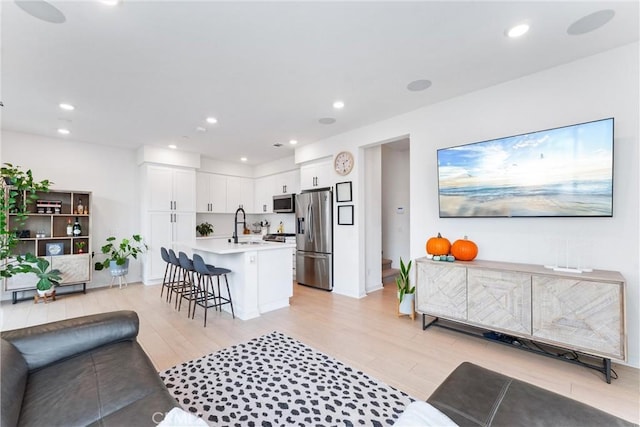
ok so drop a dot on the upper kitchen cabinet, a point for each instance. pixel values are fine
(223, 194)
(286, 182)
(263, 201)
(211, 192)
(169, 189)
(239, 194)
(316, 174)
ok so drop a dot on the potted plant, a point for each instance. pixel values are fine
(204, 229)
(47, 279)
(19, 189)
(406, 292)
(80, 247)
(119, 253)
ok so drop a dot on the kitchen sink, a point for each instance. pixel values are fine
(250, 243)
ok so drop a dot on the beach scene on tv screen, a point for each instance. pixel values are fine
(565, 171)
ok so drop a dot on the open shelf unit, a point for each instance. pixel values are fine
(44, 234)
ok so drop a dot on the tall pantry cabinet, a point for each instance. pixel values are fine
(168, 214)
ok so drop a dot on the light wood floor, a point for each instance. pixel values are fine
(366, 334)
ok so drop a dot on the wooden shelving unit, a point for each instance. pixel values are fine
(46, 224)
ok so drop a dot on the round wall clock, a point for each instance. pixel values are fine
(343, 163)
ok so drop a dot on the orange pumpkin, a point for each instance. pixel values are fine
(464, 249)
(438, 245)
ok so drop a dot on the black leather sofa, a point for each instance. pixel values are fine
(84, 371)
(475, 396)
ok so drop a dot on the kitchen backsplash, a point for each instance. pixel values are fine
(223, 223)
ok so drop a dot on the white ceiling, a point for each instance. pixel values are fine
(151, 72)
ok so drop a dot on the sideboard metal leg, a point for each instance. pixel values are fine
(14, 297)
(607, 369)
(426, 325)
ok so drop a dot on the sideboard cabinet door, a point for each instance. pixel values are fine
(442, 290)
(500, 299)
(580, 314)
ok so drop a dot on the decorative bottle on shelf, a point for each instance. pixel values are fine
(80, 207)
(69, 228)
(77, 229)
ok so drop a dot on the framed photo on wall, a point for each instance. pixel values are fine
(345, 215)
(343, 192)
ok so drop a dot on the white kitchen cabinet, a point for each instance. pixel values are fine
(171, 230)
(286, 183)
(263, 200)
(211, 193)
(168, 215)
(318, 174)
(169, 189)
(239, 194)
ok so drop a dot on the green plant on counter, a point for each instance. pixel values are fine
(204, 229)
(404, 286)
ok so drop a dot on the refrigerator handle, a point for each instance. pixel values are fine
(310, 215)
(300, 226)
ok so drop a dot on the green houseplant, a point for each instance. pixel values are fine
(19, 189)
(403, 281)
(47, 278)
(118, 254)
(406, 292)
(204, 229)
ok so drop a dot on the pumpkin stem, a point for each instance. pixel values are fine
(439, 236)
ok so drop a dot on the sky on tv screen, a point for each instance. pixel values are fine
(559, 172)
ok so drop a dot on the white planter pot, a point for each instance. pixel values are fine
(43, 293)
(407, 304)
(119, 270)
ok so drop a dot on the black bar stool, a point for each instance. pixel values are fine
(168, 272)
(188, 290)
(177, 283)
(205, 287)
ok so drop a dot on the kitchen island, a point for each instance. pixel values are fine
(260, 280)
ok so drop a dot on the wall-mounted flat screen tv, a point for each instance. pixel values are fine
(561, 172)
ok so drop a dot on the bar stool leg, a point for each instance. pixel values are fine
(229, 295)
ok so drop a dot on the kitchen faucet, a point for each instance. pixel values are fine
(235, 224)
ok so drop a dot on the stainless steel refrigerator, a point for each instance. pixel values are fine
(314, 239)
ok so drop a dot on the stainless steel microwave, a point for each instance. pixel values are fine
(284, 203)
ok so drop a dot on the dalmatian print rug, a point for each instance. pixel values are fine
(275, 380)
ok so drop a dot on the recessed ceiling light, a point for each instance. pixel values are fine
(42, 10)
(418, 85)
(64, 131)
(201, 129)
(327, 120)
(110, 2)
(518, 30)
(172, 146)
(590, 22)
(212, 120)
(67, 107)
(293, 142)
(338, 105)
(243, 159)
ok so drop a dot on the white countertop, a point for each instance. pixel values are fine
(222, 246)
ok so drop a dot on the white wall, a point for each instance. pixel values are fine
(110, 173)
(596, 87)
(395, 196)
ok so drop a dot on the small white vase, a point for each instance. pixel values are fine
(406, 305)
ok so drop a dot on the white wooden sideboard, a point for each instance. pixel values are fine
(582, 312)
